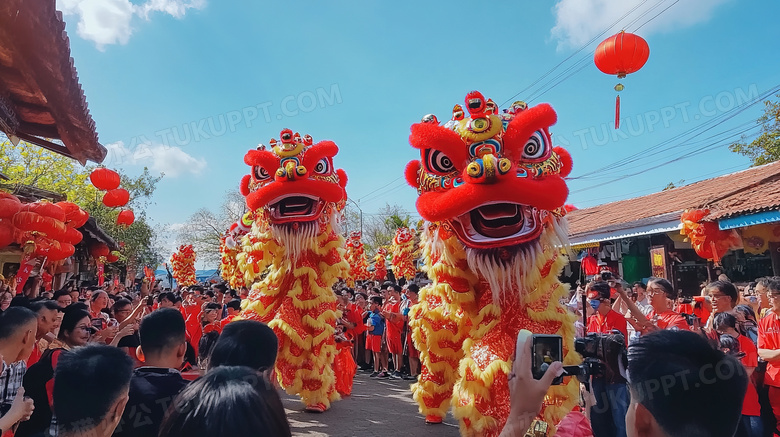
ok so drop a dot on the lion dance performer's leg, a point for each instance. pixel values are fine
(439, 325)
(481, 396)
(297, 302)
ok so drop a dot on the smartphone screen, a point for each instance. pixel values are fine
(546, 349)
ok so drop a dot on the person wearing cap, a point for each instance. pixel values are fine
(605, 319)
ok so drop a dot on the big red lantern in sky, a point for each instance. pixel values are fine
(621, 54)
(104, 179)
(117, 197)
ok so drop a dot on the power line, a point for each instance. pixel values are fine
(670, 143)
(545, 74)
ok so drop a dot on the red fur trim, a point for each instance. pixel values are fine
(327, 191)
(263, 158)
(412, 174)
(565, 160)
(431, 136)
(323, 149)
(547, 193)
(243, 186)
(524, 125)
(342, 177)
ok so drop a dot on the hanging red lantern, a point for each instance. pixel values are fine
(99, 250)
(125, 218)
(7, 232)
(9, 205)
(59, 251)
(115, 198)
(104, 179)
(31, 222)
(72, 236)
(621, 54)
(46, 209)
(75, 217)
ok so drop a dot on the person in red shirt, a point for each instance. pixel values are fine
(233, 308)
(769, 347)
(210, 318)
(611, 393)
(395, 324)
(725, 325)
(606, 319)
(661, 293)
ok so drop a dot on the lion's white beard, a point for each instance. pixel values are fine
(298, 241)
(515, 274)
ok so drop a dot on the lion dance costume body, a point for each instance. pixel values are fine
(491, 189)
(296, 249)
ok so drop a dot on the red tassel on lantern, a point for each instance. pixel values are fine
(617, 112)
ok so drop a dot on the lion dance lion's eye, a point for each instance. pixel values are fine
(438, 162)
(322, 167)
(261, 174)
(536, 147)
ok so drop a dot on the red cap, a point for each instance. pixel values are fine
(593, 294)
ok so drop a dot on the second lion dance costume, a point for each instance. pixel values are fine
(296, 250)
(492, 191)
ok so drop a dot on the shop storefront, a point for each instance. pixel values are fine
(643, 237)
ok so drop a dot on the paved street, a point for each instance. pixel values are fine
(376, 408)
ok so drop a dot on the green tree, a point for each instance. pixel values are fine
(766, 147)
(379, 229)
(31, 165)
(205, 227)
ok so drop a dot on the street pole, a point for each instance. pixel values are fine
(361, 214)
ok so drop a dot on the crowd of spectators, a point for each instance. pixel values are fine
(741, 321)
(158, 362)
(111, 360)
(375, 320)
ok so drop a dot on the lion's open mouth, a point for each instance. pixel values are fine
(298, 208)
(498, 224)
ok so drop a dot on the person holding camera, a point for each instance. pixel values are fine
(611, 392)
(605, 319)
(661, 293)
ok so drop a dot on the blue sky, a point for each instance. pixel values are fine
(188, 86)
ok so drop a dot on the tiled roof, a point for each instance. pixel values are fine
(40, 94)
(748, 191)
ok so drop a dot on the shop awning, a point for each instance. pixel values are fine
(749, 220)
(652, 225)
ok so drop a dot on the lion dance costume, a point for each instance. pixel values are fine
(380, 268)
(296, 249)
(403, 253)
(491, 189)
(229, 250)
(183, 265)
(356, 257)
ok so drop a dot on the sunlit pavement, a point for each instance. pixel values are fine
(376, 408)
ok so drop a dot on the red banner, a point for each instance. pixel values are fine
(26, 267)
(100, 271)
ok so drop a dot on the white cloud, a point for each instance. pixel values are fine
(577, 21)
(176, 8)
(173, 161)
(102, 21)
(108, 22)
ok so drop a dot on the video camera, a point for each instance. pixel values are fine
(604, 355)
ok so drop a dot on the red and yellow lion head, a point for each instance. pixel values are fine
(494, 179)
(295, 181)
